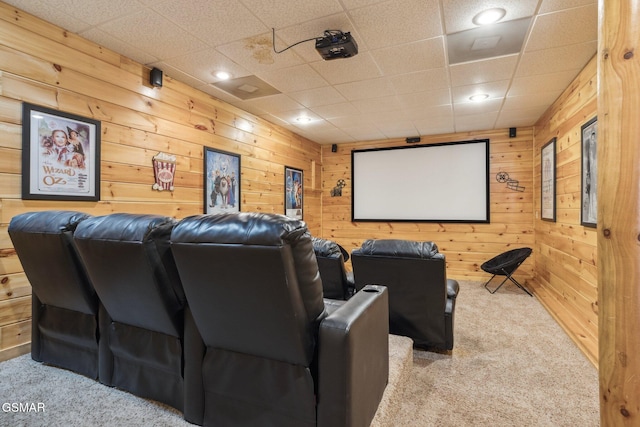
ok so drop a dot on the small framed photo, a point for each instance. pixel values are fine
(589, 198)
(548, 181)
(60, 155)
(221, 181)
(293, 192)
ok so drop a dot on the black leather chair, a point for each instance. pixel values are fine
(337, 282)
(262, 348)
(421, 298)
(129, 261)
(64, 325)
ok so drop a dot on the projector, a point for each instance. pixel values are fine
(336, 44)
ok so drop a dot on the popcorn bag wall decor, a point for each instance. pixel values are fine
(164, 168)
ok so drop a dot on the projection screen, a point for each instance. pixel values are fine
(446, 182)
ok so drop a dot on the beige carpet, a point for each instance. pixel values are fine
(512, 365)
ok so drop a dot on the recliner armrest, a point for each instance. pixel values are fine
(353, 367)
(452, 288)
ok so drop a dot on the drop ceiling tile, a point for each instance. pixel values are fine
(359, 120)
(531, 84)
(568, 27)
(354, 4)
(458, 14)
(410, 57)
(396, 22)
(256, 54)
(326, 95)
(439, 127)
(177, 74)
(475, 122)
(341, 109)
(467, 108)
(429, 113)
(420, 81)
(534, 99)
(554, 60)
(423, 99)
(555, 5)
(372, 105)
(63, 17)
(328, 136)
(208, 19)
(279, 14)
(293, 79)
(203, 64)
(275, 103)
(364, 133)
(292, 116)
(461, 94)
(396, 129)
(366, 89)
(514, 117)
(337, 71)
(146, 29)
(488, 70)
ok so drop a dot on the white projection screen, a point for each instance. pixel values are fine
(447, 182)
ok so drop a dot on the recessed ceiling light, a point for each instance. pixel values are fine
(303, 119)
(222, 75)
(489, 16)
(479, 97)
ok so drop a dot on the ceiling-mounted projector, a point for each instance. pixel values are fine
(336, 44)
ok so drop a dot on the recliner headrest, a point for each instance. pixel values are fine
(127, 227)
(249, 228)
(47, 221)
(400, 248)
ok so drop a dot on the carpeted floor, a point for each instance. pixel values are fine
(511, 365)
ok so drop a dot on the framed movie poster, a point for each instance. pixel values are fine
(589, 199)
(548, 181)
(221, 181)
(293, 184)
(60, 155)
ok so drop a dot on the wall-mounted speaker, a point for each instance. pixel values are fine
(334, 148)
(155, 77)
(512, 132)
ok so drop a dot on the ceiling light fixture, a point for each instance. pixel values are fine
(222, 75)
(489, 16)
(303, 119)
(479, 97)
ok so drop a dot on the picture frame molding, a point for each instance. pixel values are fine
(231, 204)
(291, 209)
(588, 183)
(548, 181)
(61, 179)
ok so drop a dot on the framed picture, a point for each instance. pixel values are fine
(293, 192)
(60, 155)
(548, 181)
(221, 181)
(589, 199)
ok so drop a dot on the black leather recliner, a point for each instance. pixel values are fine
(129, 261)
(261, 346)
(64, 325)
(421, 298)
(337, 282)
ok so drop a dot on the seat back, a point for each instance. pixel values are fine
(65, 304)
(330, 257)
(129, 260)
(253, 287)
(415, 276)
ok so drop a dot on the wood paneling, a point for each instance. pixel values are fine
(566, 253)
(618, 215)
(44, 65)
(466, 246)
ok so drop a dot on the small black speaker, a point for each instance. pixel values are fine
(155, 77)
(512, 132)
(334, 148)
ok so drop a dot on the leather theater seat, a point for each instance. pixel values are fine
(337, 282)
(129, 261)
(261, 346)
(65, 306)
(421, 298)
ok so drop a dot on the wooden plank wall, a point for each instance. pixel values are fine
(45, 65)
(566, 253)
(466, 246)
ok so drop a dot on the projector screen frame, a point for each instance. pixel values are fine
(486, 210)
